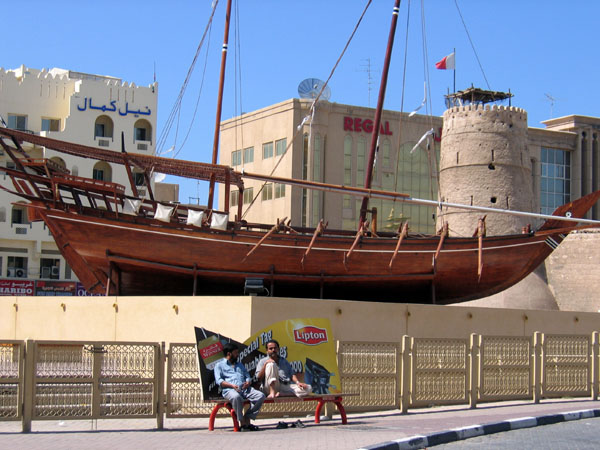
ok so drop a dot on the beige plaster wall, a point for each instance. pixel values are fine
(171, 319)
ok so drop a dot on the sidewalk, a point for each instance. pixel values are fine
(362, 430)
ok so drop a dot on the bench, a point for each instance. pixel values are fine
(320, 399)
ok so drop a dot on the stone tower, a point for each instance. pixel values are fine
(484, 161)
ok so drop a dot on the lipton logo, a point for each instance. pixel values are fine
(211, 350)
(310, 335)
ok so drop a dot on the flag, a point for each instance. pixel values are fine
(446, 63)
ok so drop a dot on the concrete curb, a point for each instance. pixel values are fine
(443, 437)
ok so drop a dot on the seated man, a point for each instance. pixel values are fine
(276, 375)
(235, 382)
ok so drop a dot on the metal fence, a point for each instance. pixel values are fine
(42, 380)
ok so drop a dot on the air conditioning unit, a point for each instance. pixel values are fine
(141, 146)
(20, 273)
(45, 272)
(103, 143)
(11, 272)
(56, 271)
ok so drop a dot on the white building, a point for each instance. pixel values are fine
(93, 110)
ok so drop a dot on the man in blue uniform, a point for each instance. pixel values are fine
(236, 387)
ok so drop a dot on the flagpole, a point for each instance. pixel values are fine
(454, 70)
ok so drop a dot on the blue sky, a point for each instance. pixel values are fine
(531, 47)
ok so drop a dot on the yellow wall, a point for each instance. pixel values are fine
(156, 319)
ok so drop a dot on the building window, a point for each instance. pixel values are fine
(386, 153)
(17, 122)
(267, 150)
(50, 268)
(279, 190)
(413, 179)
(555, 180)
(236, 158)
(50, 124)
(248, 195)
(16, 267)
(316, 195)
(139, 179)
(2, 214)
(361, 149)
(249, 155)
(103, 127)
(19, 215)
(280, 146)
(68, 275)
(267, 192)
(140, 134)
(102, 171)
(348, 161)
(235, 198)
(142, 130)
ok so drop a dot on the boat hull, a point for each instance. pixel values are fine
(146, 259)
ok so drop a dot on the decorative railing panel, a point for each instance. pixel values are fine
(94, 380)
(370, 369)
(11, 379)
(184, 391)
(439, 371)
(566, 365)
(505, 368)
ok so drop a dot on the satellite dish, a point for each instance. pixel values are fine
(159, 177)
(311, 87)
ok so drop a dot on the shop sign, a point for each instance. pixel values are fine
(54, 288)
(17, 287)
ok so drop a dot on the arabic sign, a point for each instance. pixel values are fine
(16, 287)
(53, 288)
(113, 107)
(307, 344)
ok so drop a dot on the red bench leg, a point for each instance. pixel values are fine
(215, 411)
(340, 407)
(320, 404)
(213, 416)
(236, 426)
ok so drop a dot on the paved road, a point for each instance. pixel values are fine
(363, 430)
(577, 435)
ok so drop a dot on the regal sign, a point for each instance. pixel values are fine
(360, 125)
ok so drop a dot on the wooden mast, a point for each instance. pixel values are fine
(378, 112)
(211, 188)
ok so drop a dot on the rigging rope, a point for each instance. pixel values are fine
(238, 84)
(312, 107)
(176, 110)
(472, 45)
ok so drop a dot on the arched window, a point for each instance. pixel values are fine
(142, 130)
(103, 127)
(102, 171)
(58, 160)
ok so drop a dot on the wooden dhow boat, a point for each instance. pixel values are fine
(128, 245)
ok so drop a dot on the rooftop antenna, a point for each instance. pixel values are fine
(552, 100)
(367, 68)
(310, 88)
